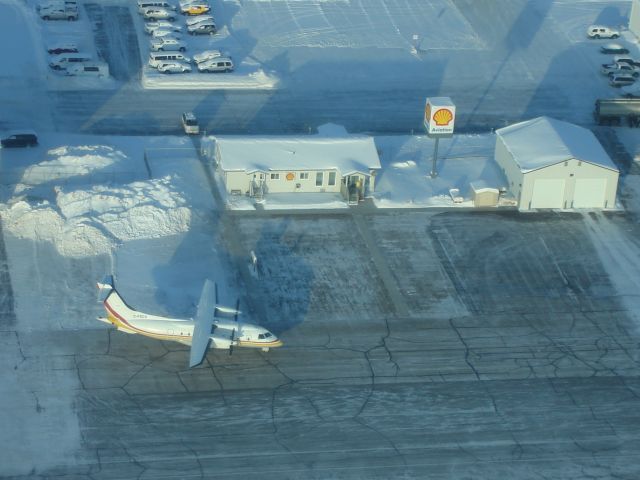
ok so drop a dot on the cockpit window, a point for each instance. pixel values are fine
(260, 336)
(267, 335)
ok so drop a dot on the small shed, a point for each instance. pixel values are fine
(483, 195)
(554, 164)
(286, 164)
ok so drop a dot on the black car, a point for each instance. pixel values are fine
(20, 140)
(203, 29)
(614, 48)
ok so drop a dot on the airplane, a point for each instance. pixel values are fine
(214, 326)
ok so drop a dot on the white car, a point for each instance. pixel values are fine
(157, 13)
(174, 67)
(168, 44)
(150, 27)
(600, 31)
(220, 64)
(206, 55)
(163, 32)
(190, 124)
(613, 68)
(198, 19)
(55, 13)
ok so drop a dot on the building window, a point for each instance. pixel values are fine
(332, 178)
(275, 176)
(319, 179)
(304, 175)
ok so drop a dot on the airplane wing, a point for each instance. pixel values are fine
(202, 324)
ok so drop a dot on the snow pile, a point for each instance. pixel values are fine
(85, 201)
(92, 222)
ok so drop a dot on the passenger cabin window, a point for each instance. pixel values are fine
(332, 178)
(275, 176)
(319, 179)
(304, 175)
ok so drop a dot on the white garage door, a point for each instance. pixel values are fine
(548, 193)
(589, 193)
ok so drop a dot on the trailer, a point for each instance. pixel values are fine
(615, 111)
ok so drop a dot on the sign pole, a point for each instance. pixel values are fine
(434, 171)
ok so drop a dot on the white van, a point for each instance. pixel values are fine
(88, 69)
(157, 58)
(63, 61)
(142, 4)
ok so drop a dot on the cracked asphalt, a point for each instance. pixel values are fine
(418, 344)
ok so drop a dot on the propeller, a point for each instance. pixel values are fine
(233, 336)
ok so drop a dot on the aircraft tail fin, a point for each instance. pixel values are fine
(105, 287)
(202, 324)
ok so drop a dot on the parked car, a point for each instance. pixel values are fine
(630, 91)
(220, 64)
(64, 60)
(158, 58)
(613, 68)
(198, 19)
(88, 69)
(150, 27)
(144, 4)
(58, 48)
(58, 5)
(621, 79)
(157, 13)
(614, 48)
(168, 44)
(600, 31)
(195, 9)
(174, 67)
(163, 32)
(56, 13)
(19, 139)
(206, 55)
(202, 29)
(626, 59)
(190, 124)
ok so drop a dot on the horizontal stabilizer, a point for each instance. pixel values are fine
(105, 287)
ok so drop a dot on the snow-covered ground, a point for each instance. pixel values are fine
(78, 206)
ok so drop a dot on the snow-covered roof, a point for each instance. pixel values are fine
(348, 154)
(545, 141)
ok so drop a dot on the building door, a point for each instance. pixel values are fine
(547, 193)
(589, 193)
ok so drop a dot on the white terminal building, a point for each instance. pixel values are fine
(256, 166)
(549, 163)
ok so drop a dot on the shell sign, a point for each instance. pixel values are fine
(439, 116)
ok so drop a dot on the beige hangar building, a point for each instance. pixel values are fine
(257, 166)
(549, 163)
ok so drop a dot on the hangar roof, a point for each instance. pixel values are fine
(545, 141)
(347, 154)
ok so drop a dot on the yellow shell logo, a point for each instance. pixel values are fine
(443, 117)
(290, 176)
